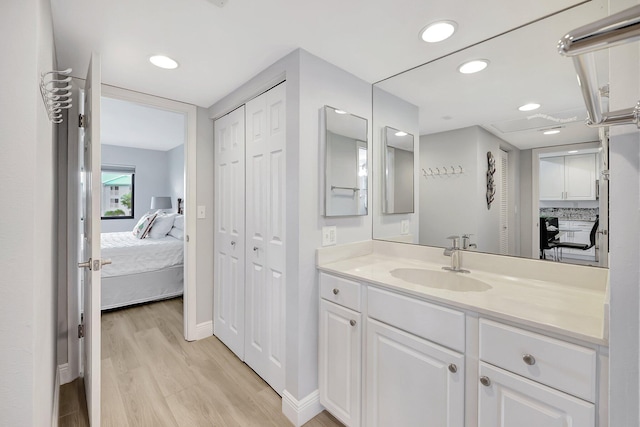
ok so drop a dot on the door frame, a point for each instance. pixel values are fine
(535, 186)
(190, 304)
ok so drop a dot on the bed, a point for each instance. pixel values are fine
(142, 270)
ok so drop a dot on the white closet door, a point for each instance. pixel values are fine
(265, 220)
(229, 237)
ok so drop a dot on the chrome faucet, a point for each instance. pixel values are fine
(466, 242)
(454, 253)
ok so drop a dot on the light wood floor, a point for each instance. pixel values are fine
(152, 377)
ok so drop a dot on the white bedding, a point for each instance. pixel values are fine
(130, 255)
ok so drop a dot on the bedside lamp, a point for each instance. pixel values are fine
(160, 202)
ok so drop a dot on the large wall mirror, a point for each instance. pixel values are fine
(523, 112)
(346, 169)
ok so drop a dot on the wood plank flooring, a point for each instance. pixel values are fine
(152, 377)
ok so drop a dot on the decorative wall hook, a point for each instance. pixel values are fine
(55, 96)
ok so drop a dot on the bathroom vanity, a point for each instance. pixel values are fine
(515, 342)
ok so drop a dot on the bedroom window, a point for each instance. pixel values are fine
(117, 192)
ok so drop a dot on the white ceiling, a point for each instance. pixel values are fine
(220, 48)
(524, 67)
(128, 124)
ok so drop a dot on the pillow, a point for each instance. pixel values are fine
(161, 226)
(179, 222)
(142, 227)
(177, 233)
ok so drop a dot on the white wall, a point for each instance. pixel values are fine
(526, 194)
(151, 179)
(624, 201)
(28, 230)
(389, 110)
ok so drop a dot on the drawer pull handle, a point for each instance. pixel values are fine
(335, 291)
(352, 322)
(485, 381)
(453, 368)
(529, 359)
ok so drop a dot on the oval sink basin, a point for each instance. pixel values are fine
(440, 279)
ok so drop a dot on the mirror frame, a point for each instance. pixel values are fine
(359, 191)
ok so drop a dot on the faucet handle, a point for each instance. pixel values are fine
(467, 236)
(454, 241)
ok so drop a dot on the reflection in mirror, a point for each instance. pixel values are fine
(463, 117)
(346, 168)
(398, 171)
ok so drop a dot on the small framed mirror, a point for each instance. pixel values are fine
(398, 172)
(346, 168)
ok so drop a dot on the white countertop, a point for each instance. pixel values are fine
(574, 309)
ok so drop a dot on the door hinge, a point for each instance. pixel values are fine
(81, 331)
(81, 121)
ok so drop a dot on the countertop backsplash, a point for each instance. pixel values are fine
(582, 214)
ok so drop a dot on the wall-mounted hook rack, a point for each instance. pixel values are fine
(55, 96)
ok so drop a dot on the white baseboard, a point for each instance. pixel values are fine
(301, 411)
(65, 374)
(204, 330)
(56, 400)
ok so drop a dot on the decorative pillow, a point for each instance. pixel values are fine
(161, 226)
(142, 227)
(179, 222)
(177, 233)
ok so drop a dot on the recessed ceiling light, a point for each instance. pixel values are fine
(400, 133)
(438, 31)
(551, 132)
(340, 112)
(474, 66)
(529, 107)
(163, 62)
(572, 151)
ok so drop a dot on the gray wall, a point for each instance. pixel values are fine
(175, 163)
(204, 226)
(151, 179)
(311, 84)
(28, 300)
(526, 195)
(389, 110)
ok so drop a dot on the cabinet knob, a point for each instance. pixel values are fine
(529, 359)
(336, 291)
(453, 368)
(255, 248)
(485, 381)
(352, 322)
(233, 243)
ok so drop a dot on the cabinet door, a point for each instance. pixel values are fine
(552, 178)
(510, 400)
(265, 232)
(580, 177)
(340, 371)
(229, 232)
(411, 381)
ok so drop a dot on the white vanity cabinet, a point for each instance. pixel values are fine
(527, 379)
(388, 358)
(340, 357)
(568, 177)
(412, 378)
(411, 381)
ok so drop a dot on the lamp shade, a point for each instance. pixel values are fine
(160, 202)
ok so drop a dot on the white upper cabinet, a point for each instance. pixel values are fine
(568, 177)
